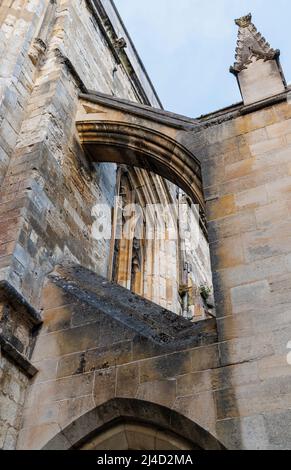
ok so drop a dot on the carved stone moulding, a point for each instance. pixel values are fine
(37, 50)
(19, 324)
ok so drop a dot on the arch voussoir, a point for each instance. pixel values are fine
(124, 410)
(122, 137)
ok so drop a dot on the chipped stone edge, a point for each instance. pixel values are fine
(63, 59)
(19, 359)
(17, 300)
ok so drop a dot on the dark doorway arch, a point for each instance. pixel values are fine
(118, 415)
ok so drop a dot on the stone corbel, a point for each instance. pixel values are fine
(19, 325)
(39, 44)
(120, 44)
(37, 50)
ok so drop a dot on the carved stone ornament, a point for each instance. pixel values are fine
(250, 44)
(120, 43)
(244, 21)
(37, 49)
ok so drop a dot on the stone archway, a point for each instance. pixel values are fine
(135, 435)
(122, 424)
(113, 130)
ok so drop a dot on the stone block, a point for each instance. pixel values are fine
(251, 198)
(266, 146)
(64, 342)
(71, 409)
(56, 319)
(47, 370)
(246, 349)
(256, 271)
(279, 189)
(200, 408)
(61, 389)
(279, 129)
(112, 331)
(253, 294)
(239, 169)
(165, 367)
(274, 366)
(277, 426)
(270, 395)
(194, 383)
(104, 385)
(138, 441)
(236, 326)
(53, 297)
(162, 392)
(213, 170)
(227, 253)
(256, 136)
(260, 80)
(236, 375)
(95, 359)
(243, 433)
(269, 214)
(204, 358)
(282, 336)
(111, 439)
(40, 414)
(35, 437)
(221, 207)
(268, 243)
(127, 380)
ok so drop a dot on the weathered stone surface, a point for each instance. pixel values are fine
(71, 369)
(127, 380)
(244, 433)
(99, 341)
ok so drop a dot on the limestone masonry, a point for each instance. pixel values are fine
(139, 342)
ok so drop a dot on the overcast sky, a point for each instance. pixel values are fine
(187, 46)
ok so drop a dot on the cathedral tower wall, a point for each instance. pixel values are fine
(96, 341)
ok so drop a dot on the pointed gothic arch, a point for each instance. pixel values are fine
(136, 425)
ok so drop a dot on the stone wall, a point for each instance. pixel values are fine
(241, 393)
(13, 385)
(245, 156)
(53, 50)
(47, 191)
(48, 187)
(36, 124)
(99, 341)
(18, 26)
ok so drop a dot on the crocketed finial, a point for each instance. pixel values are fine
(244, 21)
(250, 43)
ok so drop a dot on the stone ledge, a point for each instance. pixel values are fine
(8, 292)
(154, 323)
(231, 112)
(18, 358)
(147, 112)
(264, 103)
